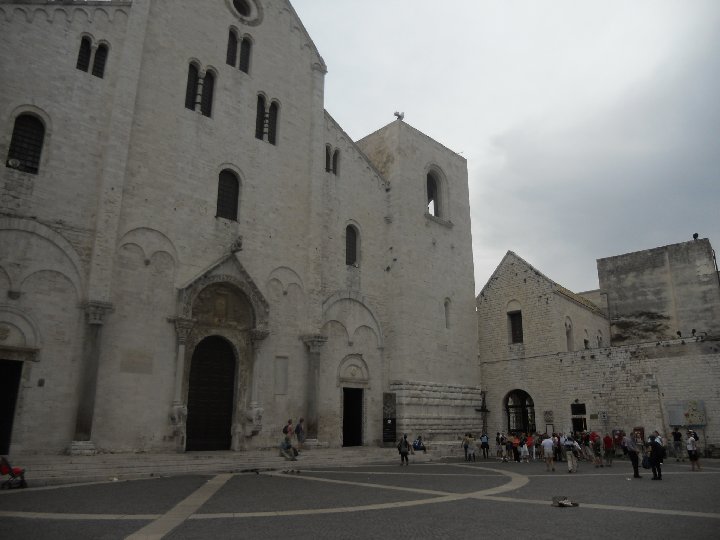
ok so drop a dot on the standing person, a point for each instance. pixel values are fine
(531, 445)
(465, 444)
(597, 450)
(472, 445)
(300, 432)
(677, 444)
(557, 447)
(288, 429)
(572, 450)
(404, 447)
(609, 449)
(692, 450)
(485, 445)
(547, 446)
(657, 453)
(516, 448)
(633, 450)
(498, 446)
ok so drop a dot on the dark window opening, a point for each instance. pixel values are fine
(245, 47)
(272, 123)
(260, 119)
(207, 94)
(520, 411)
(101, 55)
(433, 203)
(577, 408)
(83, 61)
(242, 7)
(516, 329)
(227, 199)
(350, 245)
(336, 162)
(328, 158)
(231, 56)
(26, 144)
(192, 84)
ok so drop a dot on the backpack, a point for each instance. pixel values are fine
(285, 430)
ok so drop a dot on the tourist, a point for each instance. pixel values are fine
(471, 446)
(524, 452)
(287, 450)
(418, 444)
(597, 450)
(677, 444)
(547, 446)
(572, 450)
(498, 446)
(657, 453)
(608, 449)
(692, 450)
(485, 445)
(531, 445)
(632, 449)
(404, 448)
(465, 444)
(288, 429)
(300, 432)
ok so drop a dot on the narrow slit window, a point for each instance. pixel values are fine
(516, 328)
(328, 158)
(207, 94)
(260, 119)
(231, 56)
(336, 162)
(83, 61)
(433, 203)
(101, 55)
(245, 49)
(351, 243)
(192, 85)
(272, 122)
(228, 192)
(26, 144)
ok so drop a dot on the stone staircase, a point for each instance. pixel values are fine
(46, 470)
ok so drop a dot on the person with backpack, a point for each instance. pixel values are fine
(404, 448)
(485, 445)
(288, 429)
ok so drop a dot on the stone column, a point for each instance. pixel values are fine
(178, 412)
(313, 344)
(95, 313)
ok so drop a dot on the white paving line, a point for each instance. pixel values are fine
(181, 511)
(79, 517)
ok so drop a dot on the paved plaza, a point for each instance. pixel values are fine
(449, 499)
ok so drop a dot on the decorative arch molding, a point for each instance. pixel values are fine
(33, 227)
(241, 279)
(150, 241)
(353, 370)
(513, 305)
(369, 319)
(286, 276)
(13, 318)
(64, 14)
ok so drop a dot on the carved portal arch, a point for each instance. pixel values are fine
(353, 371)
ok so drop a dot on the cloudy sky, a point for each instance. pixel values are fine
(591, 127)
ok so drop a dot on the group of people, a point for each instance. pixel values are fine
(470, 444)
(288, 450)
(405, 447)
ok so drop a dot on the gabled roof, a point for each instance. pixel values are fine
(557, 289)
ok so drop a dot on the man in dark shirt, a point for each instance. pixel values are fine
(677, 444)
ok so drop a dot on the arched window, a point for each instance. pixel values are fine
(192, 85)
(260, 118)
(83, 61)
(207, 93)
(272, 122)
(351, 246)
(336, 162)
(26, 144)
(447, 313)
(101, 55)
(231, 56)
(328, 158)
(520, 411)
(433, 197)
(569, 338)
(245, 48)
(242, 7)
(600, 338)
(227, 198)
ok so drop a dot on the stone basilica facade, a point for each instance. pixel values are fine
(193, 251)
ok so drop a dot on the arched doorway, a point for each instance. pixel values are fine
(211, 392)
(520, 411)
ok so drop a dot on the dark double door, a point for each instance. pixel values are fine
(352, 416)
(211, 396)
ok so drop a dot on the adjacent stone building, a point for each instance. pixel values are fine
(193, 251)
(641, 352)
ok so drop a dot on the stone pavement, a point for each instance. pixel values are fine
(432, 499)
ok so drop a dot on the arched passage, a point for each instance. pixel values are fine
(210, 395)
(520, 411)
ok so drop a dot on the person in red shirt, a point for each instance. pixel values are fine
(609, 449)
